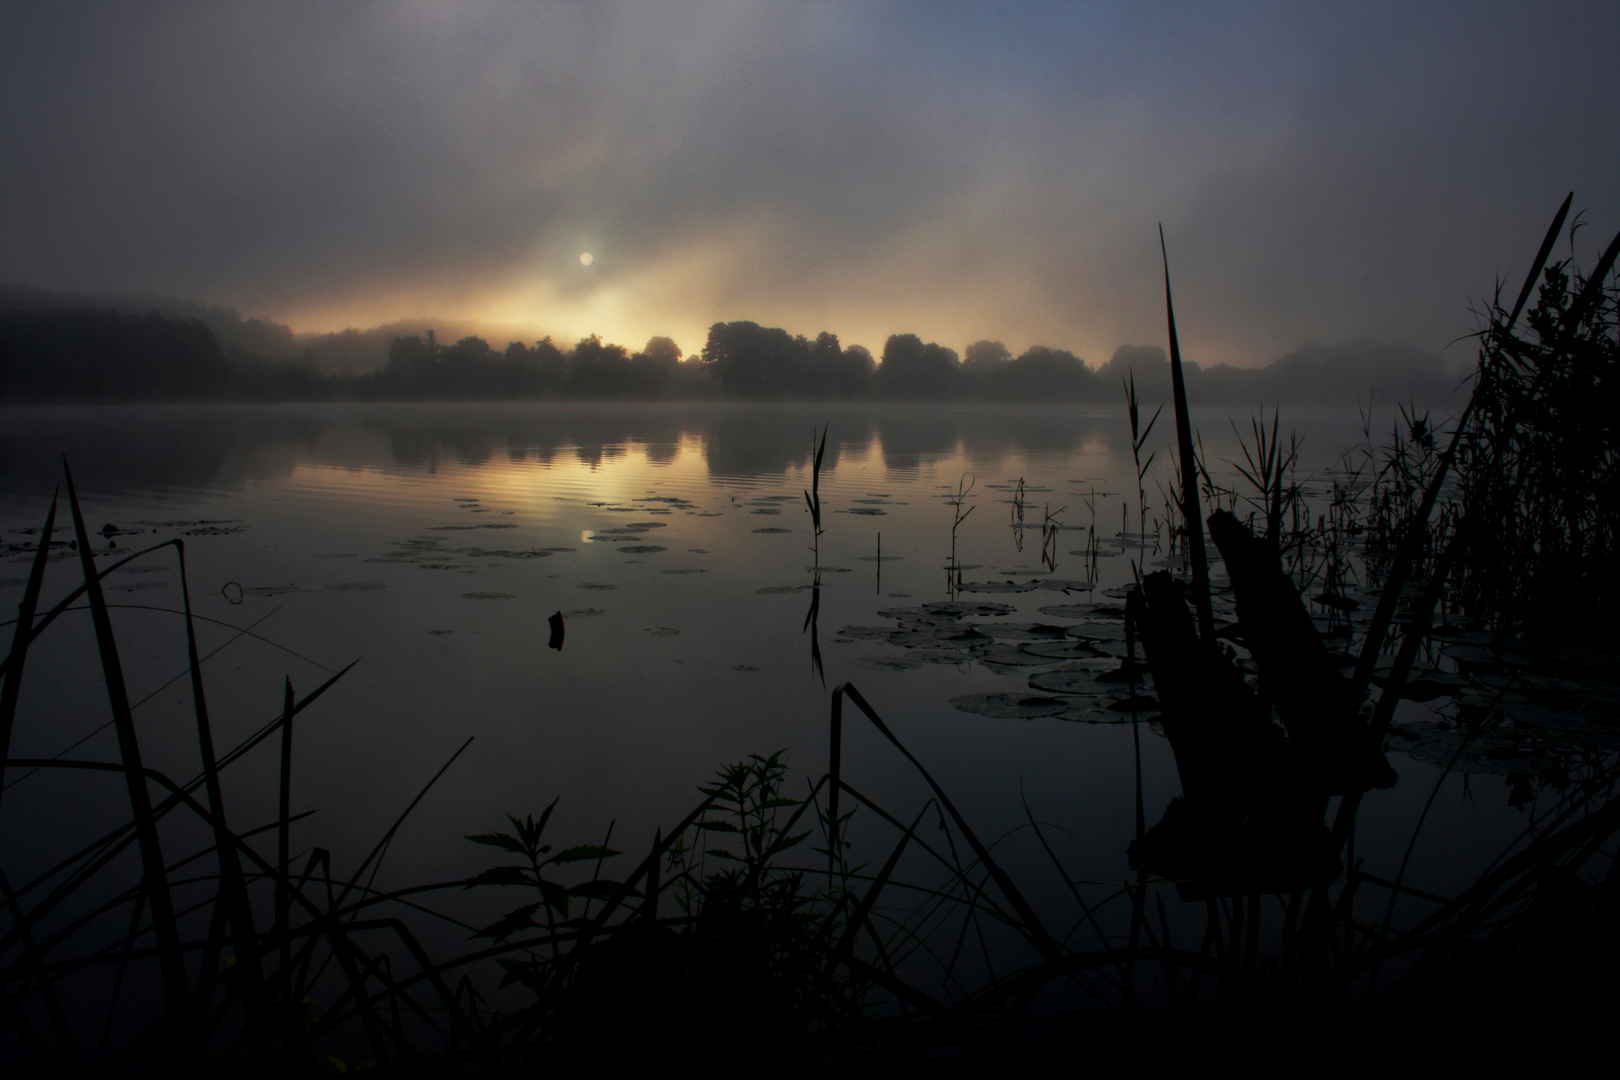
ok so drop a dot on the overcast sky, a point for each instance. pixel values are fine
(1323, 171)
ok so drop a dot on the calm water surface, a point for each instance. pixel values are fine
(432, 543)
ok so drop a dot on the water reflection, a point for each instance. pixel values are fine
(161, 448)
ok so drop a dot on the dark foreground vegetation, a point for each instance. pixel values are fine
(806, 928)
(53, 354)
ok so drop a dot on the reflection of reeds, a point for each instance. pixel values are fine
(953, 569)
(1018, 516)
(813, 497)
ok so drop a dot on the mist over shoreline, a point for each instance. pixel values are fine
(68, 348)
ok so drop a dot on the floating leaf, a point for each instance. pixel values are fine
(997, 587)
(1010, 706)
(488, 596)
(1067, 681)
(1009, 656)
(1059, 650)
(887, 663)
(1021, 631)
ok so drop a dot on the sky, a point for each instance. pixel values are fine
(1324, 172)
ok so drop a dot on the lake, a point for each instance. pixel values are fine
(433, 543)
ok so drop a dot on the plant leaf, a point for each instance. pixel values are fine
(584, 851)
(500, 840)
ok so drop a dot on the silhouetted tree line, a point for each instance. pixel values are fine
(420, 367)
(101, 355)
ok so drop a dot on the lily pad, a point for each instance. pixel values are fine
(771, 530)
(488, 596)
(1021, 631)
(685, 570)
(598, 586)
(938, 636)
(584, 612)
(1010, 706)
(887, 663)
(997, 587)
(1066, 611)
(1059, 650)
(1068, 680)
(641, 549)
(1009, 656)
(960, 608)
(660, 631)
(356, 586)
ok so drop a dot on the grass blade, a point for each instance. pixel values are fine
(170, 959)
(24, 632)
(1034, 929)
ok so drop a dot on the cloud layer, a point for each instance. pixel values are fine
(1323, 172)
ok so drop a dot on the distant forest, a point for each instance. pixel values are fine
(79, 354)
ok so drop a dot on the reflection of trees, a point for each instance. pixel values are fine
(473, 435)
(912, 436)
(154, 448)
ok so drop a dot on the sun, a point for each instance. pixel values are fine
(586, 258)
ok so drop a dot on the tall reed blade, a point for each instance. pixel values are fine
(1594, 287)
(1540, 260)
(284, 845)
(156, 882)
(233, 886)
(1191, 509)
(23, 634)
(1034, 929)
(835, 756)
